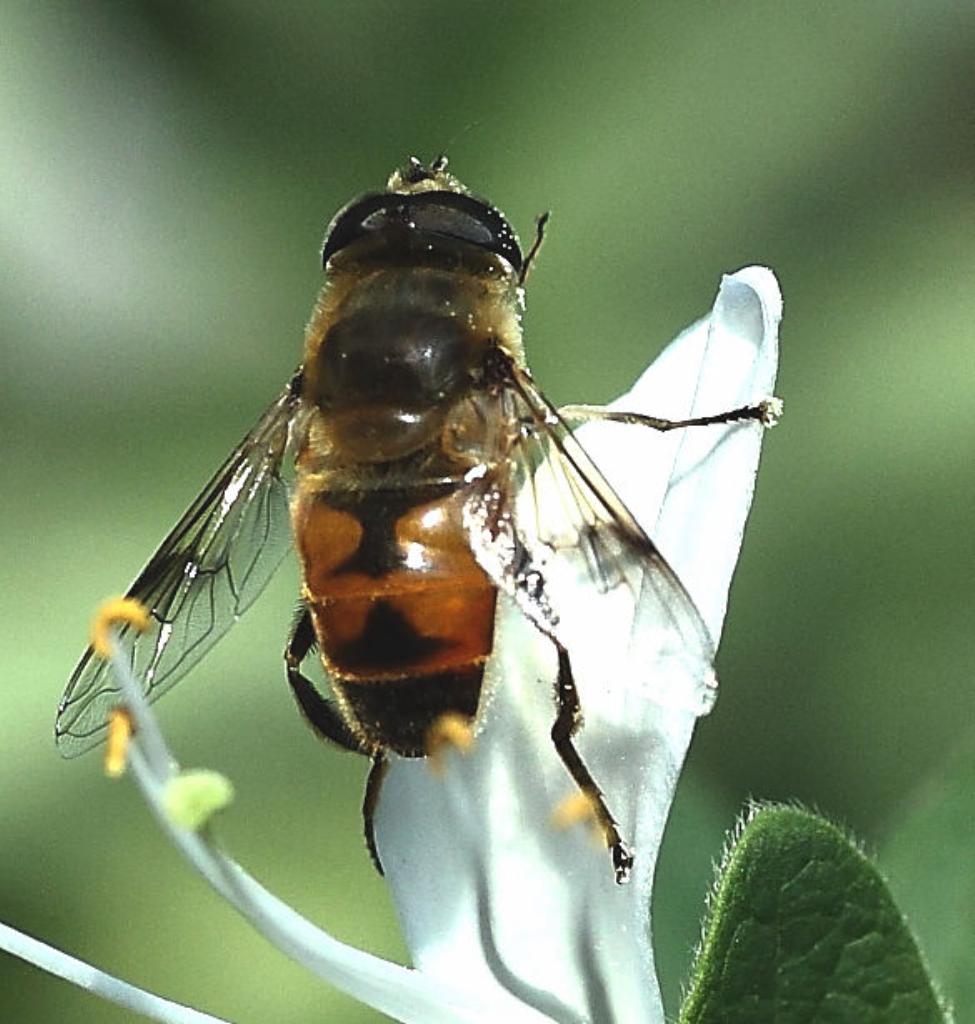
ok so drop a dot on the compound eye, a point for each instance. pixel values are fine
(449, 222)
(448, 215)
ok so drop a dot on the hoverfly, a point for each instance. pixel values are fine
(416, 433)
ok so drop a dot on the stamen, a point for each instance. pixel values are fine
(120, 730)
(581, 808)
(575, 808)
(116, 610)
(451, 729)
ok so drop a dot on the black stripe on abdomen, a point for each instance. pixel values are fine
(398, 713)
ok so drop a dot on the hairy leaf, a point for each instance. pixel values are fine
(802, 929)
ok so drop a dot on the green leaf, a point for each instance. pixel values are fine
(802, 929)
(928, 859)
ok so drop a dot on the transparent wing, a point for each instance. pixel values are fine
(206, 573)
(554, 535)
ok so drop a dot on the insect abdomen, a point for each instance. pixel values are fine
(403, 613)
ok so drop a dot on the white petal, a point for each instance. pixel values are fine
(695, 500)
(404, 995)
(490, 896)
(487, 890)
(704, 514)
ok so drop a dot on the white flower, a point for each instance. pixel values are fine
(486, 890)
(507, 918)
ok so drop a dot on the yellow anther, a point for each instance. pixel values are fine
(112, 612)
(120, 730)
(580, 808)
(449, 730)
(575, 808)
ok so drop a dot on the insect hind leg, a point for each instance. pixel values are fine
(566, 723)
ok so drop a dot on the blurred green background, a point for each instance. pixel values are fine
(166, 173)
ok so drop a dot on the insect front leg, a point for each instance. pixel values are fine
(765, 412)
(320, 713)
(566, 723)
(322, 716)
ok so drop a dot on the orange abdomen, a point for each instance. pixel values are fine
(403, 613)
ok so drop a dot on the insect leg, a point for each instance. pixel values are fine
(319, 712)
(566, 722)
(369, 803)
(765, 412)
